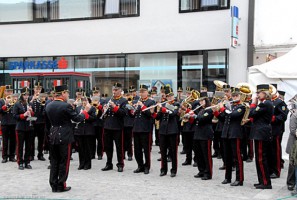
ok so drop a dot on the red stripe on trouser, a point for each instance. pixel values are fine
(176, 150)
(209, 157)
(149, 150)
(102, 141)
(17, 147)
(261, 162)
(239, 159)
(68, 162)
(278, 161)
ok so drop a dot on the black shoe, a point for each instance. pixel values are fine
(237, 183)
(222, 168)
(186, 163)
(4, 160)
(195, 164)
(64, 189)
(183, 152)
(107, 167)
(71, 158)
(87, 168)
(21, 167)
(12, 160)
(226, 181)
(120, 169)
(138, 170)
(80, 167)
(173, 175)
(130, 158)
(257, 184)
(49, 167)
(41, 158)
(214, 155)
(28, 166)
(163, 173)
(205, 178)
(219, 156)
(146, 171)
(199, 175)
(264, 187)
(159, 152)
(273, 176)
(291, 187)
(159, 159)
(99, 157)
(249, 160)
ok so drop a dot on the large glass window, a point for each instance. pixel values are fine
(16, 10)
(203, 5)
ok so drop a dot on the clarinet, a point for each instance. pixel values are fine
(107, 107)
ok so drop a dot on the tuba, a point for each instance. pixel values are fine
(219, 93)
(272, 90)
(190, 99)
(219, 85)
(245, 93)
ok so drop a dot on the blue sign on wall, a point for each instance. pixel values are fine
(51, 64)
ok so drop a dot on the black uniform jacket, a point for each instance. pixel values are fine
(143, 119)
(38, 110)
(99, 121)
(6, 114)
(203, 125)
(261, 115)
(232, 123)
(18, 113)
(114, 117)
(86, 126)
(279, 117)
(168, 121)
(60, 115)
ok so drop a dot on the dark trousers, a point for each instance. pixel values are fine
(46, 145)
(84, 150)
(39, 133)
(274, 156)
(188, 145)
(8, 141)
(23, 138)
(169, 142)
(232, 149)
(60, 161)
(157, 136)
(218, 148)
(100, 142)
(261, 149)
(291, 175)
(128, 135)
(117, 137)
(202, 149)
(142, 145)
(247, 145)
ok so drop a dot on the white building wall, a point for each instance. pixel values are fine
(159, 28)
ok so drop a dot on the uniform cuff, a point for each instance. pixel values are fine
(163, 110)
(22, 116)
(222, 109)
(253, 105)
(188, 110)
(273, 118)
(251, 119)
(115, 109)
(32, 113)
(216, 113)
(4, 108)
(154, 115)
(143, 107)
(191, 120)
(99, 107)
(86, 114)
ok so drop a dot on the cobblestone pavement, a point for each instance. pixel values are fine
(96, 184)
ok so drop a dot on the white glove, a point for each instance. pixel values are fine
(169, 111)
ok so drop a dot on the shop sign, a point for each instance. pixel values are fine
(40, 64)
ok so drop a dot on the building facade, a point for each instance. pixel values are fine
(177, 42)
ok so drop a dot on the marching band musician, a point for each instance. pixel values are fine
(168, 132)
(132, 90)
(38, 105)
(24, 129)
(232, 134)
(84, 132)
(8, 125)
(203, 136)
(113, 114)
(261, 112)
(98, 102)
(142, 130)
(278, 119)
(179, 94)
(60, 113)
(128, 126)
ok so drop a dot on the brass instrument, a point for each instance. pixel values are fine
(10, 101)
(41, 98)
(190, 99)
(219, 85)
(272, 90)
(186, 117)
(2, 88)
(246, 92)
(153, 106)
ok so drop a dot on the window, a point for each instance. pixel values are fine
(203, 5)
(60, 10)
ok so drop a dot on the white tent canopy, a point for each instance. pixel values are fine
(282, 71)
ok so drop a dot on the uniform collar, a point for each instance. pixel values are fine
(118, 97)
(144, 99)
(59, 99)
